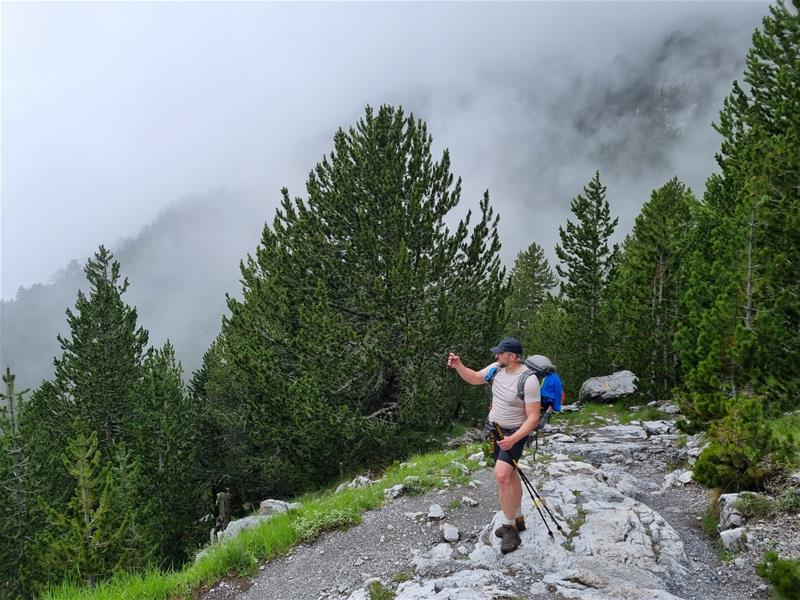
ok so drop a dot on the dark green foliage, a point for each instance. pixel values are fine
(336, 353)
(546, 334)
(645, 309)
(15, 499)
(743, 334)
(744, 452)
(782, 573)
(168, 447)
(529, 287)
(586, 262)
(95, 381)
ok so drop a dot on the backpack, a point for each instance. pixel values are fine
(550, 387)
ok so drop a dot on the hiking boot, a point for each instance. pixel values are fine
(519, 523)
(511, 539)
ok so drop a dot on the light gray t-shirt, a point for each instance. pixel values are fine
(508, 410)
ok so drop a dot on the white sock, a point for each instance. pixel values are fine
(519, 512)
(506, 521)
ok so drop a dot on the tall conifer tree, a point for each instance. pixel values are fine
(645, 308)
(15, 498)
(586, 261)
(529, 286)
(350, 304)
(745, 337)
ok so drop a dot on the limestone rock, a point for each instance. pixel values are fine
(394, 492)
(729, 515)
(357, 482)
(609, 387)
(450, 533)
(734, 539)
(435, 512)
(657, 427)
(234, 528)
(271, 507)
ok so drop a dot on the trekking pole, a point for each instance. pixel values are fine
(535, 496)
(542, 422)
(528, 487)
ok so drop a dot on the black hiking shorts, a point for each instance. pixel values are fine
(506, 455)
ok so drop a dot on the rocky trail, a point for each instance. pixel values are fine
(631, 530)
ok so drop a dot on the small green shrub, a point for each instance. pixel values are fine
(680, 441)
(709, 519)
(574, 523)
(378, 591)
(782, 573)
(789, 500)
(402, 576)
(309, 527)
(755, 506)
(743, 453)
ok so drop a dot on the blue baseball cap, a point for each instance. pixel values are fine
(508, 344)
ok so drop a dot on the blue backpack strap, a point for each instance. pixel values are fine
(489, 377)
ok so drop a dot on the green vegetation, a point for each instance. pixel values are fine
(645, 293)
(789, 500)
(710, 517)
(378, 591)
(745, 450)
(241, 555)
(529, 288)
(618, 411)
(574, 523)
(331, 360)
(586, 261)
(755, 506)
(782, 573)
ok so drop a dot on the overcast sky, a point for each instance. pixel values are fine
(113, 111)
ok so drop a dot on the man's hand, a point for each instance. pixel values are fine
(506, 443)
(453, 361)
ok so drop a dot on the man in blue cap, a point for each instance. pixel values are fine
(516, 417)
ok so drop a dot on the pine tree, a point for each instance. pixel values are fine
(82, 542)
(746, 334)
(645, 306)
(96, 380)
(349, 306)
(529, 286)
(167, 449)
(15, 494)
(586, 261)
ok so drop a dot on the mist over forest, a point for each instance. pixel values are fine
(531, 131)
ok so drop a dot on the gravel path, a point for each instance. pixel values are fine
(383, 544)
(340, 561)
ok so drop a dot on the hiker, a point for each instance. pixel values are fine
(516, 418)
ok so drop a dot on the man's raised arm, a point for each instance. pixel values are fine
(467, 374)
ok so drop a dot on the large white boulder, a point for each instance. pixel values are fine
(608, 388)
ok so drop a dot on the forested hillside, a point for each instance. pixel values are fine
(332, 354)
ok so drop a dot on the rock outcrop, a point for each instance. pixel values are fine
(608, 388)
(610, 547)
